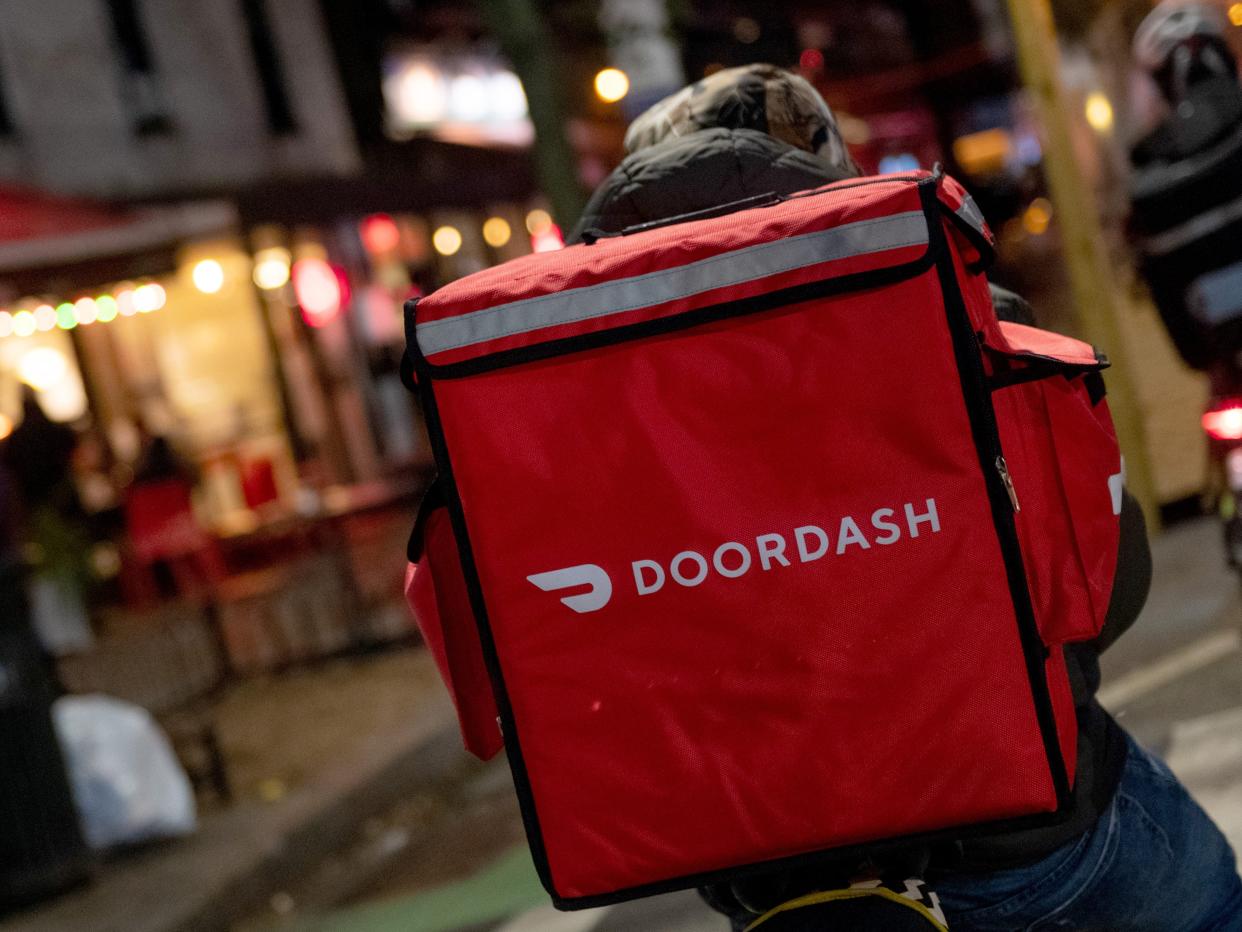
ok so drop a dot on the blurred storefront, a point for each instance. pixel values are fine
(133, 323)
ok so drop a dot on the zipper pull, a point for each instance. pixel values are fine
(1003, 468)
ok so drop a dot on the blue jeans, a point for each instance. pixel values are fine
(1154, 862)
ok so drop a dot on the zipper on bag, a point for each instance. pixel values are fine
(1003, 468)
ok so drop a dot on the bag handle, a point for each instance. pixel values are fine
(592, 235)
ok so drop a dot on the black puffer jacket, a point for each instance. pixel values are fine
(698, 172)
(714, 167)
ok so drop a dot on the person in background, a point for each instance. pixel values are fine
(1136, 852)
(1182, 48)
(38, 453)
(50, 525)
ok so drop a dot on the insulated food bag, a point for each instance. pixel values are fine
(757, 536)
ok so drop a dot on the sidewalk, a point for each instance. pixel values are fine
(383, 728)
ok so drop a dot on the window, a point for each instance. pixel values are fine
(141, 82)
(280, 119)
(7, 126)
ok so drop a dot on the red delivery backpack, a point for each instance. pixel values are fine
(758, 537)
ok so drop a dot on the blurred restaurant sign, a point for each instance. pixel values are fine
(469, 99)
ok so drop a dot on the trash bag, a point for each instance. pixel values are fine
(127, 783)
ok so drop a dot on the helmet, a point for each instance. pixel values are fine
(1173, 24)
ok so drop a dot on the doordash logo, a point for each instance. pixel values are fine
(733, 559)
(575, 577)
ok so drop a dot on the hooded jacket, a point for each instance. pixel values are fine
(752, 131)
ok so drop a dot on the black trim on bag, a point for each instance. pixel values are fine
(1008, 378)
(1097, 391)
(432, 499)
(987, 441)
(470, 572)
(986, 435)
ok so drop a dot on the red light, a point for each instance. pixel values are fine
(811, 60)
(318, 291)
(1224, 423)
(379, 233)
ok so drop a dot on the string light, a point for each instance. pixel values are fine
(125, 302)
(149, 297)
(45, 317)
(23, 323)
(107, 308)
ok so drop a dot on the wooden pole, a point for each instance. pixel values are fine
(1097, 293)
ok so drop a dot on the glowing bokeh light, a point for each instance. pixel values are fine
(125, 302)
(107, 307)
(208, 276)
(537, 221)
(150, 297)
(42, 367)
(6, 323)
(271, 268)
(45, 317)
(446, 240)
(1038, 217)
(85, 310)
(468, 100)
(24, 324)
(611, 85)
(1224, 423)
(1099, 111)
(496, 232)
(548, 240)
(318, 290)
(66, 316)
(508, 96)
(379, 233)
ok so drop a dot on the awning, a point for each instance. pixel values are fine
(46, 240)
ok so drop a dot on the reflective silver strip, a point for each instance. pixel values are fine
(1192, 230)
(972, 215)
(861, 238)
